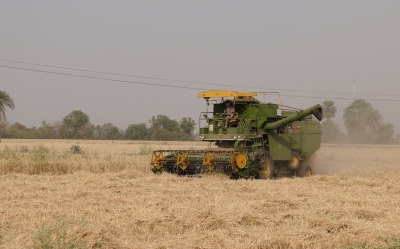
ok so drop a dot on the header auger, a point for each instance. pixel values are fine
(254, 139)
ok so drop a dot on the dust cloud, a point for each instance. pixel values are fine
(354, 159)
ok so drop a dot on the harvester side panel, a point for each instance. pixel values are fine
(251, 112)
(204, 130)
(268, 110)
(310, 137)
(310, 143)
(296, 141)
(279, 146)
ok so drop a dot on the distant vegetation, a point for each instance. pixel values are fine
(5, 102)
(77, 125)
(363, 123)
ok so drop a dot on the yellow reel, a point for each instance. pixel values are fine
(207, 160)
(155, 159)
(182, 160)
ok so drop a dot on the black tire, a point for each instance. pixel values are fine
(294, 162)
(305, 171)
(266, 170)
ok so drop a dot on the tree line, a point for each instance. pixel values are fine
(363, 123)
(77, 125)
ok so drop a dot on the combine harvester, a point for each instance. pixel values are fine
(254, 139)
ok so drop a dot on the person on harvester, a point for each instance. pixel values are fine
(229, 112)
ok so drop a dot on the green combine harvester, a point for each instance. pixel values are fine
(254, 139)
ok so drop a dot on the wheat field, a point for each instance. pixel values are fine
(102, 194)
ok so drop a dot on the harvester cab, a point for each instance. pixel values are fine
(227, 106)
(254, 139)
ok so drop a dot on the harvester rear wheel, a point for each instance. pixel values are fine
(266, 170)
(305, 171)
(294, 161)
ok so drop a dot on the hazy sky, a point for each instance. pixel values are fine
(294, 45)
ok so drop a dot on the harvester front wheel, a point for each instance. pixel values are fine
(266, 170)
(305, 171)
(294, 161)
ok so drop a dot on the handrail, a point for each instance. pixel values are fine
(279, 96)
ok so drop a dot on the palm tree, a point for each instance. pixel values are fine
(329, 109)
(5, 102)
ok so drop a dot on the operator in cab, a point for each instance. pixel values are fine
(229, 112)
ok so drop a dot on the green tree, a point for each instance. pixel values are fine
(113, 133)
(17, 130)
(187, 125)
(74, 121)
(137, 132)
(85, 131)
(5, 102)
(97, 132)
(166, 129)
(329, 109)
(62, 130)
(361, 121)
(164, 123)
(163, 128)
(373, 120)
(331, 132)
(58, 128)
(385, 134)
(46, 131)
(107, 131)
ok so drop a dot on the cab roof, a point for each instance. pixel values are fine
(225, 94)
